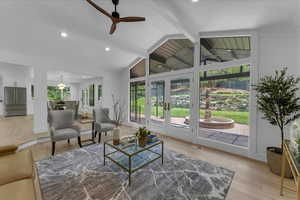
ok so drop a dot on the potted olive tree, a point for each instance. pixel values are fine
(278, 101)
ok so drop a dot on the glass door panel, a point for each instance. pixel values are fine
(224, 105)
(137, 102)
(180, 102)
(157, 102)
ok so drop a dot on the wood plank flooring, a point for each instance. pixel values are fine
(252, 181)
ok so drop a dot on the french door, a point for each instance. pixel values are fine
(170, 105)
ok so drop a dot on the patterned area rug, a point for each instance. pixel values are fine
(81, 175)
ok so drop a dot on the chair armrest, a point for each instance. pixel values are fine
(8, 149)
(76, 127)
(112, 121)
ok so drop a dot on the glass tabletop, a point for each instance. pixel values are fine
(131, 148)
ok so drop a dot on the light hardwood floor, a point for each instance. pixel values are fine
(252, 181)
(18, 130)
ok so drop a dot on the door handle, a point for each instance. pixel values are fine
(165, 106)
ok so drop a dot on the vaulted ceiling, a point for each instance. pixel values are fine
(30, 29)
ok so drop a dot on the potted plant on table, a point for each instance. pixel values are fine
(142, 136)
(277, 100)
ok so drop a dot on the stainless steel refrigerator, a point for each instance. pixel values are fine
(15, 100)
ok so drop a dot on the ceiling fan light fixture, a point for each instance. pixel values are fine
(195, 1)
(61, 85)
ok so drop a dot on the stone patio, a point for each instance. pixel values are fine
(238, 135)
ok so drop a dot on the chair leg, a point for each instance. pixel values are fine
(68, 141)
(94, 135)
(79, 142)
(99, 138)
(105, 133)
(53, 148)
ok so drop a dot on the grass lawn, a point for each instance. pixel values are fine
(238, 117)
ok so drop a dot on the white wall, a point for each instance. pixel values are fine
(16, 76)
(40, 116)
(124, 91)
(75, 94)
(277, 49)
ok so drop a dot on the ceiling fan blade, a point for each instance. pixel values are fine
(99, 9)
(132, 19)
(113, 28)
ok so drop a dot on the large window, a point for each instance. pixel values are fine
(137, 102)
(224, 49)
(173, 55)
(139, 70)
(216, 104)
(224, 105)
(55, 94)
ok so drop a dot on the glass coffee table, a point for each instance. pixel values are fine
(131, 157)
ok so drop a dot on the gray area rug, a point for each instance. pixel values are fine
(81, 175)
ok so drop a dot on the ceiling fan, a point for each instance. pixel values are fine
(115, 16)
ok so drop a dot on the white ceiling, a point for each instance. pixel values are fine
(30, 28)
(67, 77)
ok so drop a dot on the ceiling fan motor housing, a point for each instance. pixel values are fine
(115, 2)
(115, 14)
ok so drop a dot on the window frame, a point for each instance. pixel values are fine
(252, 62)
(251, 151)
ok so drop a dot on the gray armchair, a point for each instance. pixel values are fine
(61, 127)
(102, 122)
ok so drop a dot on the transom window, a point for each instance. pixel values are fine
(139, 70)
(175, 54)
(224, 49)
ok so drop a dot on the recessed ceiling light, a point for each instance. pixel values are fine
(194, 1)
(63, 34)
(107, 49)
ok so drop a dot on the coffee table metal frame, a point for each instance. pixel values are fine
(131, 155)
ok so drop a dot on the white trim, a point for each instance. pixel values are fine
(234, 33)
(165, 39)
(137, 79)
(136, 61)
